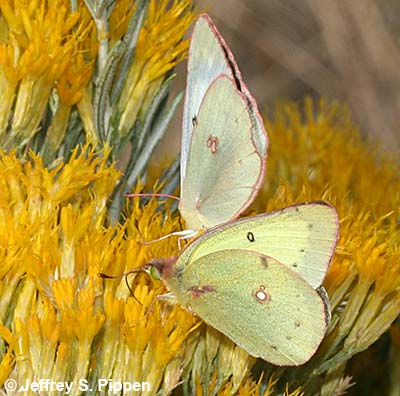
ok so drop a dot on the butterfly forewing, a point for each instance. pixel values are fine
(302, 237)
(205, 63)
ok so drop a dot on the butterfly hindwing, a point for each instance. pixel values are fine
(224, 166)
(206, 62)
(260, 304)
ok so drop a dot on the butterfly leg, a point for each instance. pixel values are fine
(185, 234)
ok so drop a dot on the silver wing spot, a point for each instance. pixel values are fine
(261, 295)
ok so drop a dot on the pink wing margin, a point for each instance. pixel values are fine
(259, 136)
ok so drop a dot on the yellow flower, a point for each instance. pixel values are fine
(316, 153)
(159, 49)
(213, 361)
(249, 387)
(60, 319)
(42, 51)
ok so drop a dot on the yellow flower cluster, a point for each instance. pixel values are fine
(58, 320)
(159, 49)
(316, 153)
(48, 53)
(43, 47)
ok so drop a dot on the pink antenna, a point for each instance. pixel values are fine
(151, 195)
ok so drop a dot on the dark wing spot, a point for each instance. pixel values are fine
(294, 265)
(199, 291)
(297, 323)
(194, 121)
(213, 144)
(251, 237)
(208, 289)
(196, 292)
(264, 261)
(302, 250)
(274, 347)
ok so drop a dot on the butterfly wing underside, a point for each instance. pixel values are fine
(205, 63)
(260, 304)
(224, 166)
(209, 58)
(302, 237)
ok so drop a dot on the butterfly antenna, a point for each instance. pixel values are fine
(133, 195)
(125, 275)
(183, 234)
(129, 286)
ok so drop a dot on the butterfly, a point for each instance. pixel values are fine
(224, 143)
(258, 280)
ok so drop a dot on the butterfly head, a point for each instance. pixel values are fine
(162, 268)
